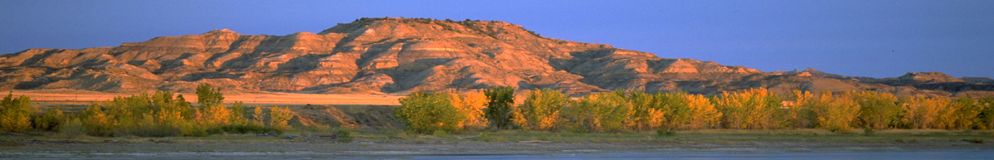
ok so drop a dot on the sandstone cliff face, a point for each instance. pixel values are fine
(388, 55)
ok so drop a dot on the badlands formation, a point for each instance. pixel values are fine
(403, 55)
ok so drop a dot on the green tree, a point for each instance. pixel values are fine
(500, 109)
(600, 112)
(540, 110)
(429, 112)
(878, 110)
(209, 96)
(688, 111)
(678, 112)
(986, 115)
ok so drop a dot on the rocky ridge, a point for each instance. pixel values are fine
(401, 55)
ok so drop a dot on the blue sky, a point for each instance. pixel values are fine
(878, 38)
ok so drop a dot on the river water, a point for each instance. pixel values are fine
(986, 154)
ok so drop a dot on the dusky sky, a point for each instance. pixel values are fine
(877, 38)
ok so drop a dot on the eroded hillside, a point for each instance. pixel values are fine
(397, 55)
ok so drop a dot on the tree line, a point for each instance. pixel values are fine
(166, 114)
(149, 115)
(622, 111)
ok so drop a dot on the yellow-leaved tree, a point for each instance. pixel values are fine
(755, 108)
(703, 114)
(470, 105)
(15, 113)
(541, 108)
(878, 110)
(924, 112)
(833, 113)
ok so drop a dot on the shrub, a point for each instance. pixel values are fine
(750, 109)
(470, 105)
(428, 112)
(15, 113)
(279, 118)
(833, 113)
(243, 129)
(540, 111)
(500, 109)
(73, 126)
(878, 110)
(175, 120)
(194, 129)
(149, 126)
(97, 123)
(342, 136)
(51, 120)
(599, 112)
(665, 133)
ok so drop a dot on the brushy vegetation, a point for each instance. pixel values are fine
(15, 113)
(619, 111)
(279, 117)
(166, 114)
(158, 114)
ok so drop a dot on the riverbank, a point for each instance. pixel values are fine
(394, 142)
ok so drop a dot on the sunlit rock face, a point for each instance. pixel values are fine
(397, 55)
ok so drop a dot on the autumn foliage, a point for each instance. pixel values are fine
(758, 108)
(147, 115)
(541, 109)
(167, 114)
